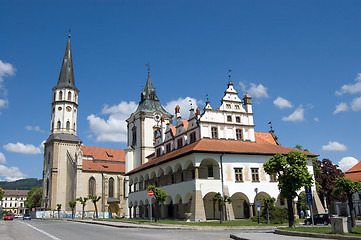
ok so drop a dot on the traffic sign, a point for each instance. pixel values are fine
(150, 193)
(309, 198)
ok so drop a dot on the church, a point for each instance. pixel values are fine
(192, 158)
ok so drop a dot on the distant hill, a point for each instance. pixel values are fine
(22, 184)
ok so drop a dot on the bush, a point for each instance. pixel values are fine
(276, 215)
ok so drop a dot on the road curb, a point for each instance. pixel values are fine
(315, 235)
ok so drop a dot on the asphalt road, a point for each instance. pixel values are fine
(53, 229)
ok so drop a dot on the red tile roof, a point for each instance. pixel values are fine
(19, 193)
(185, 126)
(103, 159)
(354, 173)
(263, 146)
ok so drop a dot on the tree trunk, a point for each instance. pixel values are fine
(156, 210)
(352, 210)
(82, 216)
(220, 212)
(291, 217)
(72, 213)
(267, 215)
(96, 210)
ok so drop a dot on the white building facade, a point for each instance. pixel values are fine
(217, 151)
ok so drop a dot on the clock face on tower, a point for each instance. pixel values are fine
(157, 117)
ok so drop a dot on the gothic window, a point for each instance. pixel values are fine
(69, 96)
(255, 175)
(60, 95)
(238, 174)
(238, 119)
(92, 186)
(214, 131)
(58, 125)
(229, 118)
(134, 136)
(239, 134)
(67, 125)
(111, 187)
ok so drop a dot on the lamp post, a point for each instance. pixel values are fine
(258, 208)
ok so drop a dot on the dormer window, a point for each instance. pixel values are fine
(228, 106)
(236, 107)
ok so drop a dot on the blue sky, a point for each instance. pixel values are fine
(299, 60)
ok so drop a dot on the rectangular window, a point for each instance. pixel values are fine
(273, 178)
(239, 134)
(236, 106)
(134, 136)
(228, 106)
(168, 147)
(238, 174)
(255, 176)
(180, 142)
(158, 152)
(210, 171)
(192, 137)
(238, 119)
(214, 132)
(229, 118)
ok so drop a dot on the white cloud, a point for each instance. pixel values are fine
(316, 119)
(351, 88)
(342, 107)
(258, 91)
(243, 86)
(347, 163)
(114, 129)
(184, 104)
(11, 173)
(3, 103)
(356, 104)
(22, 148)
(35, 128)
(296, 116)
(2, 158)
(334, 146)
(6, 69)
(282, 103)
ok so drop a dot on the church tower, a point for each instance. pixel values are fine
(62, 148)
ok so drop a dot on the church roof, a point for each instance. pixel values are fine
(149, 101)
(66, 76)
(63, 137)
(263, 146)
(354, 173)
(17, 193)
(97, 159)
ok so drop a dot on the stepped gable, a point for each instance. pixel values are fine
(97, 159)
(263, 146)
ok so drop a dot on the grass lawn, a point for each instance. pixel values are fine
(356, 231)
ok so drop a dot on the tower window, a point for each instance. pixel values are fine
(239, 134)
(60, 95)
(134, 136)
(67, 125)
(69, 96)
(54, 96)
(214, 131)
(58, 124)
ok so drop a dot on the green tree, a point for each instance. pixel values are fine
(348, 187)
(95, 199)
(1, 194)
(221, 203)
(83, 203)
(33, 198)
(72, 205)
(160, 196)
(268, 203)
(58, 208)
(292, 174)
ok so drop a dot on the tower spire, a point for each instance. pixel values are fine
(66, 76)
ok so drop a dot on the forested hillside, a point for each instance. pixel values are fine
(22, 184)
